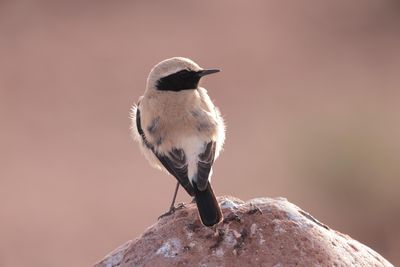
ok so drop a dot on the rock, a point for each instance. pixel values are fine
(259, 232)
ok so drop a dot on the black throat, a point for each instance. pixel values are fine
(181, 80)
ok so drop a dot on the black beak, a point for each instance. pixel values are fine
(202, 73)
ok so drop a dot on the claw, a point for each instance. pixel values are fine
(172, 210)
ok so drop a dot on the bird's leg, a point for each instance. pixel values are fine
(173, 199)
(172, 207)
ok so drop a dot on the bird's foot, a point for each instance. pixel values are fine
(172, 210)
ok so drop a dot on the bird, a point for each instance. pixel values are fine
(181, 131)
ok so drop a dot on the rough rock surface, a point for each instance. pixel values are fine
(259, 232)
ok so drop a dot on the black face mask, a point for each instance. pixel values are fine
(182, 80)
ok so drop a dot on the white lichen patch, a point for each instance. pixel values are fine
(228, 204)
(259, 200)
(170, 248)
(236, 234)
(115, 259)
(293, 215)
(230, 239)
(219, 252)
(261, 239)
(278, 229)
(253, 229)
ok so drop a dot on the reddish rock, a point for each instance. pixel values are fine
(259, 232)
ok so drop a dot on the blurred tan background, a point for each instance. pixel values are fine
(309, 90)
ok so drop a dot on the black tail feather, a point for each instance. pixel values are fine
(207, 204)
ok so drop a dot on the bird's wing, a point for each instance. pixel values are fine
(176, 164)
(140, 130)
(174, 161)
(206, 160)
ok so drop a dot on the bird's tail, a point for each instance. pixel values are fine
(207, 204)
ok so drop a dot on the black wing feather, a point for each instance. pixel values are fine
(206, 160)
(174, 162)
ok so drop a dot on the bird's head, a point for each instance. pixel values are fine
(176, 74)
